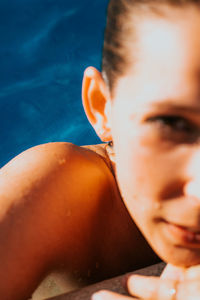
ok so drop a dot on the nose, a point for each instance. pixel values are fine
(192, 186)
(192, 189)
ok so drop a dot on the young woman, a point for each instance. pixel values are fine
(90, 210)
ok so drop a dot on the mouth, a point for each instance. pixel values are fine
(183, 235)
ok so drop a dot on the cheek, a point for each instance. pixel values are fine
(146, 166)
(137, 178)
(138, 182)
(145, 171)
(139, 168)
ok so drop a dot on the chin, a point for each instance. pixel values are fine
(181, 257)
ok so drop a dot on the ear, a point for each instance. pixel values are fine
(96, 103)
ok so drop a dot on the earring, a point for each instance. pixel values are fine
(110, 144)
(110, 151)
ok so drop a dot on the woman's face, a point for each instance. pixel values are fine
(155, 124)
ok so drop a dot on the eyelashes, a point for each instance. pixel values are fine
(173, 122)
(175, 128)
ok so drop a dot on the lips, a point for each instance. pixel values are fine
(182, 234)
(191, 229)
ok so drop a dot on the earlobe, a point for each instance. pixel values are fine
(95, 98)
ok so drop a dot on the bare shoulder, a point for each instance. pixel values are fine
(52, 193)
(48, 155)
(43, 160)
(65, 172)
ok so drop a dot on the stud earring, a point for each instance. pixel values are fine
(110, 143)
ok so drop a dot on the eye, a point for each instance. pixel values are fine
(173, 122)
(174, 128)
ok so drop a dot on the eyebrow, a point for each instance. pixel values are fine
(178, 107)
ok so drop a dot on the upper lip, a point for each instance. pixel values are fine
(192, 229)
(195, 229)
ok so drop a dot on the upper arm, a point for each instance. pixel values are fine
(46, 213)
(28, 217)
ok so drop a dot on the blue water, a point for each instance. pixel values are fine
(45, 45)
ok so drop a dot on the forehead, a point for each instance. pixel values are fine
(165, 39)
(166, 54)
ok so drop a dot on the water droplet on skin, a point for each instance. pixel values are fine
(61, 161)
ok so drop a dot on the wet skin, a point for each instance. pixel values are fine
(61, 210)
(153, 120)
(61, 205)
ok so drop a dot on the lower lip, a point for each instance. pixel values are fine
(182, 235)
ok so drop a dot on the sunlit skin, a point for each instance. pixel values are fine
(155, 128)
(63, 208)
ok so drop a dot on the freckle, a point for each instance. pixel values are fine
(61, 161)
(157, 205)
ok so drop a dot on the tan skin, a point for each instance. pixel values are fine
(86, 231)
(61, 206)
(154, 124)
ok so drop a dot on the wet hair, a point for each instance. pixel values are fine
(115, 55)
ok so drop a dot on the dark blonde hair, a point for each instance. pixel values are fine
(114, 61)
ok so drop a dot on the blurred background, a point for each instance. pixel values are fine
(45, 45)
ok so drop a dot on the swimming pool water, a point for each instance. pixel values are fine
(45, 45)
